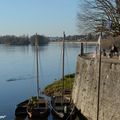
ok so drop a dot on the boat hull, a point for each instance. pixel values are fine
(38, 108)
(21, 109)
(62, 110)
(37, 113)
(70, 115)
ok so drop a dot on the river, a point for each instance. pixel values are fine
(17, 72)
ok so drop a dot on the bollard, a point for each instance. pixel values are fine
(81, 49)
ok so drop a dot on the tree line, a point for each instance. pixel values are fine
(23, 40)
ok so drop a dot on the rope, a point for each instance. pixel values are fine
(70, 113)
(62, 114)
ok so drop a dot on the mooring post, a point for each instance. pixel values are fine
(81, 50)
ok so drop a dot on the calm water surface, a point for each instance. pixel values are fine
(17, 72)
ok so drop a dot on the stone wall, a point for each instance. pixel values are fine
(85, 88)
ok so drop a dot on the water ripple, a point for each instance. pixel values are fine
(19, 78)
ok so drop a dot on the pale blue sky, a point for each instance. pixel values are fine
(46, 17)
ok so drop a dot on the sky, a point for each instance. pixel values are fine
(46, 17)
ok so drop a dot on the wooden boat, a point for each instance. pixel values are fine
(61, 105)
(64, 110)
(26, 108)
(21, 109)
(35, 107)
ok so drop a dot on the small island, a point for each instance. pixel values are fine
(56, 86)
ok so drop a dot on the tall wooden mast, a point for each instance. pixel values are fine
(63, 57)
(37, 63)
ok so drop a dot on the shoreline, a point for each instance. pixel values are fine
(56, 86)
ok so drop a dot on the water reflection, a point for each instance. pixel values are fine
(12, 49)
(20, 78)
(41, 48)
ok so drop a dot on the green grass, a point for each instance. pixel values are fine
(56, 86)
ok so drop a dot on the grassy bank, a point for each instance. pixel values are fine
(56, 86)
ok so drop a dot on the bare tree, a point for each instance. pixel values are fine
(99, 14)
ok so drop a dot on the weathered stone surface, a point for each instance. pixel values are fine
(86, 87)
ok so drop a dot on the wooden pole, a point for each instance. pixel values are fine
(81, 49)
(99, 81)
(37, 68)
(63, 56)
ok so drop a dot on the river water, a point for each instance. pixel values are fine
(18, 72)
